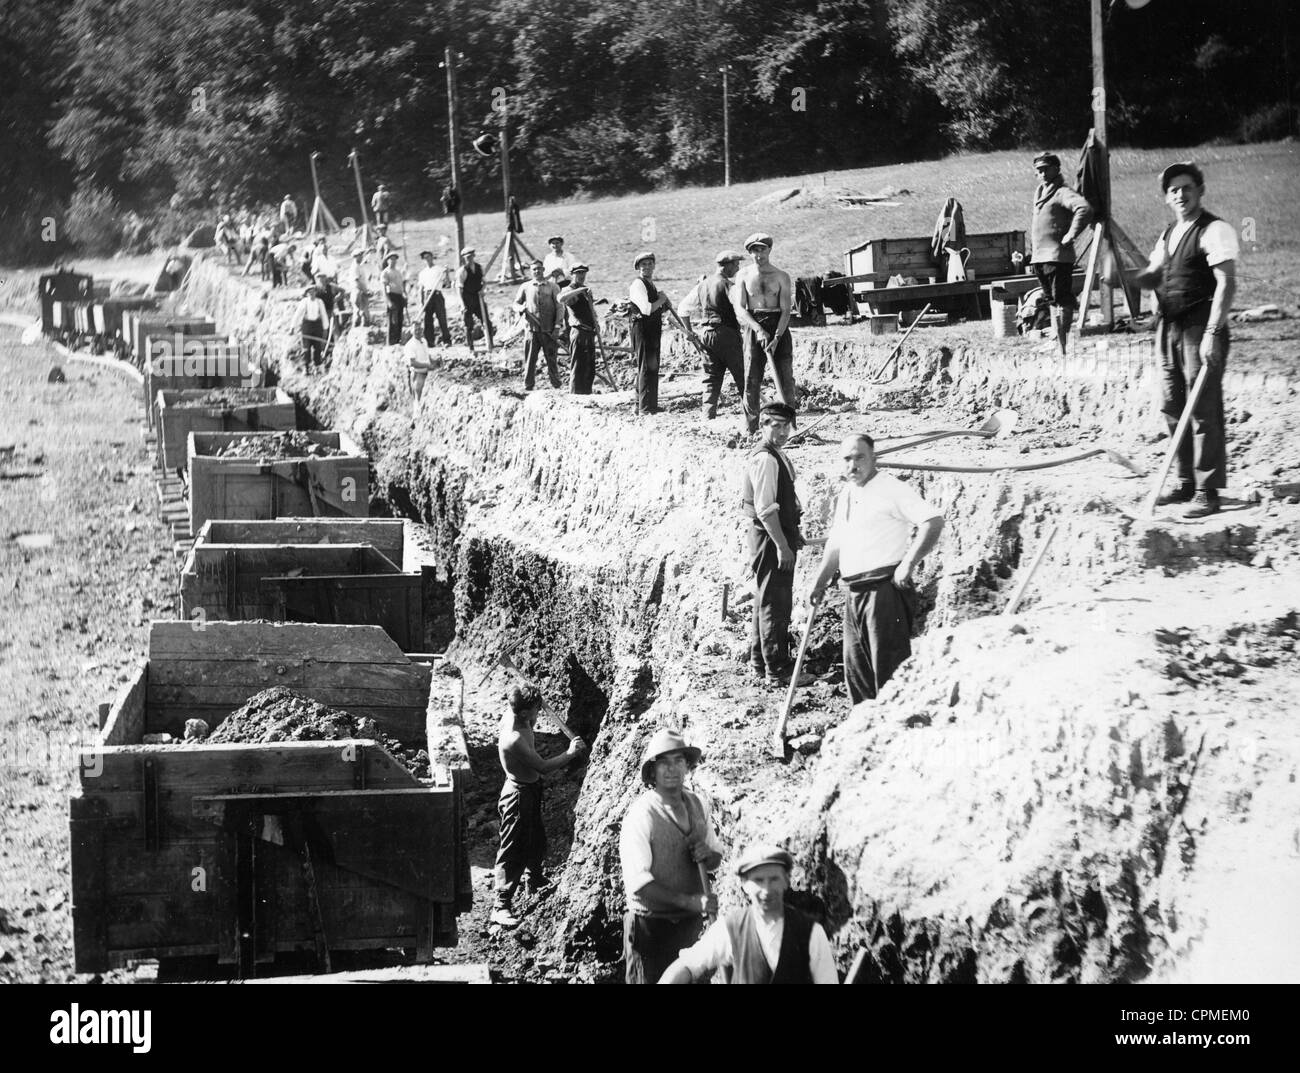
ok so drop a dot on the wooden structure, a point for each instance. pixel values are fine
(243, 851)
(385, 535)
(870, 266)
(329, 485)
(266, 409)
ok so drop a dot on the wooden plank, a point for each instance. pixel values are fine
(232, 696)
(125, 722)
(89, 930)
(297, 674)
(478, 973)
(265, 640)
(384, 534)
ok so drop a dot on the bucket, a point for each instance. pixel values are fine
(1004, 319)
(881, 323)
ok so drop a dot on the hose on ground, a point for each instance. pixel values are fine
(929, 468)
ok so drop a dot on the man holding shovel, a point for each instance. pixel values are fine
(580, 310)
(710, 304)
(880, 530)
(762, 296)
(538, 299)
(432, 304)
(1193, 272)
(523, 838)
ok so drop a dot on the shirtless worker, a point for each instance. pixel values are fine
(523, 838)
(762, 296)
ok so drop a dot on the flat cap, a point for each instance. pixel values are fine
(1181, 167)
(759, 238)
(580, 268)
(536, 263)
(763, 853)
(426, 253)
(555, 238)
(390, 257)
(644, 255)
(1047, 158)
(779, 409)
(728, 255)
(467, 249)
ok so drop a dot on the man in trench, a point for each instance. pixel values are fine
(762, 295)
(666, 844)
(767, 941)
(880, 530)
(523, 837)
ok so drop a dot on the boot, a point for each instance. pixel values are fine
(1204, 503)
(1182, 494)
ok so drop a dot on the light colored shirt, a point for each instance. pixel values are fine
(323, 265)
(639, 296)
(542, 300)
(1218, 243)
(563, 261)
(634, 839)
(394, 280)
(312, 308)
(714, 950)
(763, 479)
(432, 278)
(873, 524)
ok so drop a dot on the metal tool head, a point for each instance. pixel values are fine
(1127, 463)
(1001, 424)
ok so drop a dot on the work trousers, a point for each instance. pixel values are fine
(582, 354)
(277, 274)
(544, 342)
(769, 627)
(1202, 456)
(436, 307)
(724, 356)
(651, 944)
(877, 632)
(645, 332)
(523, 838)
(396, 309)
(313, 341)
(474, 312)
(782, 368)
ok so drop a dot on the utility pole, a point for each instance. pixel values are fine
(361, 200)
(1099, 129)
(726, 128)
(453, 142)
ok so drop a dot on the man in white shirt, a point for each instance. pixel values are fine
(766, 942)
(394, 281)
(314, 319)
(881, 529)
(322, 264)
(557, 259)
(539, 301)
(1193, 270)
(432, 279)
(666, 847)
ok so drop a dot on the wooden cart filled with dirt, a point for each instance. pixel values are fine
(273, 474)
(228, 409)
(242, 851)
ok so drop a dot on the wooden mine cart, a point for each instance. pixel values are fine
(249, 488)
(240, 852)
(265, 408)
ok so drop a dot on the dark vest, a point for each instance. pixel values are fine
(1188, 280)
(652, 322)
(473, 279)
(749, 966)
(715, 302)
(786, 501)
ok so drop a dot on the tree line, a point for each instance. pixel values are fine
(170, 110)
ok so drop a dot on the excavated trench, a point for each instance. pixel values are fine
(1009, 808)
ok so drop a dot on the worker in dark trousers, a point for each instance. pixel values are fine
(773, 509)
(469, 285)
(314, 318)
(880, 530)
(708, 307)
(394, 280)
(522, 852)
(763, 297)
(538, 299)
(580, 310)
(1193, 270)
(648, 306)
(380, 203)
(431, 280)
(1060, 216)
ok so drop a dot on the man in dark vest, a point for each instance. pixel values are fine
(1193, 272)
(710, 306)
(648, 305)
(769, 501)
(469, 284)
(766, 942)
(1060, 216)
(580, 310)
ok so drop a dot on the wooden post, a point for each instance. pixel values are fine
(361, 199)
(1099, 126)
(453, 141)
(726, 129)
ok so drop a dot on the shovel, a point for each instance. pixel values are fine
(999, 426)
(778, 734)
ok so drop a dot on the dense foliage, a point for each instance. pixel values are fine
(176, 108)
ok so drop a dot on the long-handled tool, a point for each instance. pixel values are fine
(999, 426)
(778, 733)
(513, 669)
(1179, 432)
(804, 431)
(691, 337)
(704, 884)
(898, 347)
(1019, 594)
(487, 325)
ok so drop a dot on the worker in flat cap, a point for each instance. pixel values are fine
(580, 313)
(667, 847)
(762, 296)
(766, 941)
(708, 307)
(558, 259)
(380, 203)
(383, 244)
(432, 279)
(394, 282)
(1193, 270)
(358, 287)
(469, 285)
(538, 300)
(772, 510)
(648, 305)
(1060, 216)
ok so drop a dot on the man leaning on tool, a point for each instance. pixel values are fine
(538, 299)
(469, 285)
(666, 841)
(770, 503)
(432, 304)
(880, 530)
(580, 312)
(1194, 274)
(710, 304)
(762, 296)
(766, 942)
(523, 838)
(1060, 217)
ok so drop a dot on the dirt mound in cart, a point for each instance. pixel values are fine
(275, 445)
(225, 396)
(280, 714)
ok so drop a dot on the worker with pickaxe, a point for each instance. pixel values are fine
(522, 852)
(762, 296)
(710, 304)
(580, 309)
(432, 304)
(538, 299)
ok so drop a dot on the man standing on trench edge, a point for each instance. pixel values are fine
(762, 296)
(667, 841)
(1060, 216)
(772, 506)
(710, 304)
(394, 280)
(580, 311)
(646, 329)
(873, 547)
(1194, 273)
(523, 837)
(538, 299)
